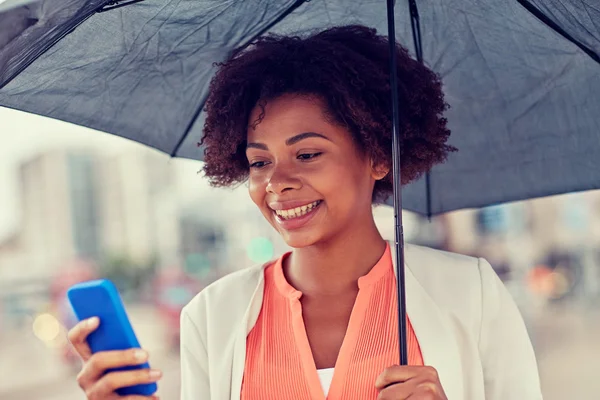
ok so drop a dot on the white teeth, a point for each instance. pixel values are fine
(296, 212)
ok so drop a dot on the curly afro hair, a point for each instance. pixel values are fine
(348, 68)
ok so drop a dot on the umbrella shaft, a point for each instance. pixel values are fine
(396, 154)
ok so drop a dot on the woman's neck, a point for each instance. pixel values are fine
(334, 266)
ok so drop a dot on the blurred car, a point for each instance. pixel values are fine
(173, 289)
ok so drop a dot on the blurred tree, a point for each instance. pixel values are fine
(129, 276)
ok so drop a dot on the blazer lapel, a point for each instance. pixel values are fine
(239, 352)
(433, 329)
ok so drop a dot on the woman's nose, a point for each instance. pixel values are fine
(283, 179)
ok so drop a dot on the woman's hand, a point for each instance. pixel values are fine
(410, 382)
(92, 379)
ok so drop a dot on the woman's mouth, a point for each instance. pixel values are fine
(297, 212)
(297, 217)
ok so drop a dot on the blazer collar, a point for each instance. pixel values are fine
(431, 325)
(433, 329)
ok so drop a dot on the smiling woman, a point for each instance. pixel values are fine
(307, 123)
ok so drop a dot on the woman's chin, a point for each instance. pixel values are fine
(298, 240)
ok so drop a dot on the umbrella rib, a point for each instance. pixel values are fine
(415, 24)
(553, 25)
(287, 12)
(112, 5)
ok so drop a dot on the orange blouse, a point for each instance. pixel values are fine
(279, 361)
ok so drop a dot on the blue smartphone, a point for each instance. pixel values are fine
(100, 298)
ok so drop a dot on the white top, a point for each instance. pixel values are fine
(325, 376)
(468, 327)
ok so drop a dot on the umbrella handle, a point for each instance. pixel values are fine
(399, 235)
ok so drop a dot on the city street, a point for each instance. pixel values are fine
(565, 338)
(568, 352)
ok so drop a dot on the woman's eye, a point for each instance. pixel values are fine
(258, 164)
(308, 156)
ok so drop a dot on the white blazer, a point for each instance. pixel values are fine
(468, 327)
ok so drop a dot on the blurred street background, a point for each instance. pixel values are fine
(77, 204)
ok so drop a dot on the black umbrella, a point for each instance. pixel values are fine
(522, 78)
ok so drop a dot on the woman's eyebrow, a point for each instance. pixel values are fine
(295, 139)
(290, 141)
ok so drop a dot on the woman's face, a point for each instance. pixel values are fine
(307, 175)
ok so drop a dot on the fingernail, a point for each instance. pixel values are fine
(140, 355)
(92, 322)
(154, 373)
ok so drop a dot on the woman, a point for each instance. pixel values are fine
(306, 122)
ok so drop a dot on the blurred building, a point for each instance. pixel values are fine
(59, 224)
(136, 205)
(83, 205)
(12, 263)
(59, 210)
(227, 228)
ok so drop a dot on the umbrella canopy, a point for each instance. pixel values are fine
(522, 78)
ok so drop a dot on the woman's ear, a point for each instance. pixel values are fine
(379, 170)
